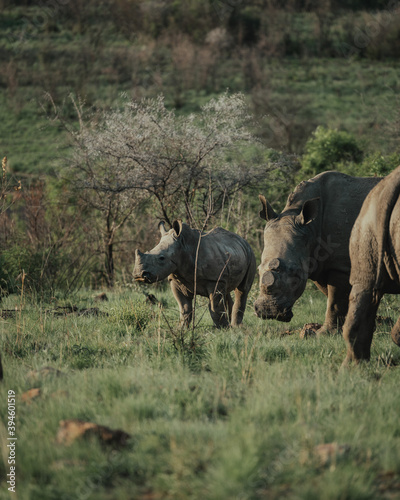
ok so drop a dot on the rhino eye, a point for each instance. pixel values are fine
(161, 257)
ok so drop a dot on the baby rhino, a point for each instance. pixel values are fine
(209, 264)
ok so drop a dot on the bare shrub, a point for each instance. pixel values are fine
(187, 164)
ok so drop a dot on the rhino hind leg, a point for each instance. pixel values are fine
(242, 293)
(360, 323)
(219, 309)
(338, 291)
(229, 306)
(239, 307)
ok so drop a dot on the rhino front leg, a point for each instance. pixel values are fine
(360, 323)
(338, 291)
(185, 304)
(219, 310)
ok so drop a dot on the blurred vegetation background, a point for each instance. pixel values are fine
(321, 79)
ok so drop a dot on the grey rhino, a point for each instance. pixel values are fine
(309, 240)
(375, 265)
(209, 264)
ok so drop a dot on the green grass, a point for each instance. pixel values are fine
(360, 97)
(237, 417)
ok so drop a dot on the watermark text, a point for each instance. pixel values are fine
(11, 441)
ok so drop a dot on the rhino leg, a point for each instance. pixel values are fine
(239, 307)
(337, 291)
(360, 323)
(185, 304)
(219, 310)
(242, 293)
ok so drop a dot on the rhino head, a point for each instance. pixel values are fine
(285, 261)
(162, 260)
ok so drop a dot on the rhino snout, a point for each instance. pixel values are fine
(145, 276)
(139, 273)
(268, 310)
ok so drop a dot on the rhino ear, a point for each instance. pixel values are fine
(309, 211)
(177, 226)
(267, 212)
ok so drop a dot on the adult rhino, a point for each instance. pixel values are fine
(375, 265)
(209, 264)
(309, 240)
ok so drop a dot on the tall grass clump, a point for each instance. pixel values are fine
(134, 313)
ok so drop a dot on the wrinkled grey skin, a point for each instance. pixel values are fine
(309, 240)
(225, 262)
(375, 265)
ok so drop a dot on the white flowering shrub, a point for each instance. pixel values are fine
(188, 164)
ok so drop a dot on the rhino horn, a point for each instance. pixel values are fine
(268, 279)
(161, 227)
(138, 254)
(267, 212)
(274, 264)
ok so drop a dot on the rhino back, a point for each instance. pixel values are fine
(341, 198)
(222, 257)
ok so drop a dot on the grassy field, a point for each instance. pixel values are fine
(357, 96)
(220, 415)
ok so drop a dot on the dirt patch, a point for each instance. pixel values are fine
(72, 429)
(8, 313)
(68, 310)
(102, 297)
(309, 330)
(28, 396)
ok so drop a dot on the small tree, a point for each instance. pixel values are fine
(187, 164)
